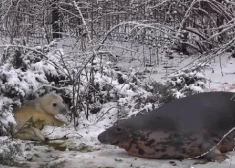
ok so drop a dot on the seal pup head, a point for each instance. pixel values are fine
(53, 104)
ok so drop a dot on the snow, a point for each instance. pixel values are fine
(110, 156)
(221, 74)
(83, 150)
(197, 89)
(8, 118)
(178, 94)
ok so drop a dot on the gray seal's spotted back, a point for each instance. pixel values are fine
(184, 128)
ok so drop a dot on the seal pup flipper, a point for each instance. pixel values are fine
(214, 154)
(30, 134)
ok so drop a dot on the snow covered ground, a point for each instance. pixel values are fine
(83, 150)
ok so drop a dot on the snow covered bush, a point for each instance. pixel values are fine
(134, 99)
(187, 81)
(183, 83)
(162, 92)
(25, 73)
(113, 86)
(85, 81)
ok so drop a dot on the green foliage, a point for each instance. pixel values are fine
(187, 81)
(34, 123)
(162, 92)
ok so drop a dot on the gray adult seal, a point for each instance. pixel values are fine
(184, 128)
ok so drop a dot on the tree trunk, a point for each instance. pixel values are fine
(56, 27)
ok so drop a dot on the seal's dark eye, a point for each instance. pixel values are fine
(54, 104)
(118, 129)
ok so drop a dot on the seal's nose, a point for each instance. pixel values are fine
(64, 110)
(101, 137)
